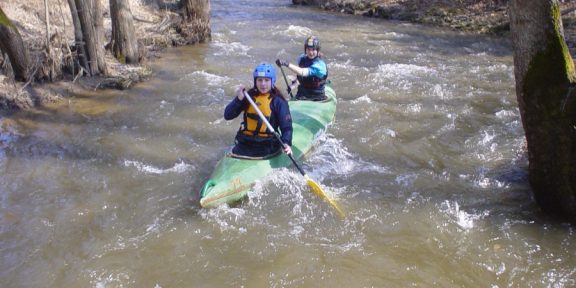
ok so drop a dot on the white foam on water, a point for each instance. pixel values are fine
(292, 30)
(414, 108)
(218, 121)
(232, 49)
(507, 114)
(398, 70)
(395, 35)
(399, 76)
(345, 66)
(211, 79)
(488, 137)
(406, 180)
(177, 168)
(223, 37)
(383, 133)
(364, 98)
(482, 181)
(330, 157)
(110, 280)
(500, 68)
(227, 218)
(461, 218)
(439, 91)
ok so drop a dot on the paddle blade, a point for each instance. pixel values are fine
(318, 191)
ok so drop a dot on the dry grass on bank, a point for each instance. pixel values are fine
(154, 24)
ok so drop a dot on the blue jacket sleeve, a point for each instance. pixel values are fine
(284, 120)
(234, 108)
(318, 68)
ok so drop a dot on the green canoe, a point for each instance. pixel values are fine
(233, 178)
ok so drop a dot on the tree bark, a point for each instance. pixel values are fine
(11, 43)
(47, 16)
(124, 42)
(90, 20)
(78, 38)
(99, 30)
(197, 21)
(545, 77)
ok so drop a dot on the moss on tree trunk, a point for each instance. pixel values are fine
(11, 43)
(545, 86)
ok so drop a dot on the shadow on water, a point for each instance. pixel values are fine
(86, 126)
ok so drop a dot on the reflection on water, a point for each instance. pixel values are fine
(425, 155)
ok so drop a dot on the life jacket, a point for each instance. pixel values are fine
(253, 125)
(311, 82)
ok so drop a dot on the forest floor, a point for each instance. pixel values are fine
(154, 23)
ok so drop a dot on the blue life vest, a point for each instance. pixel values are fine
(311, 87)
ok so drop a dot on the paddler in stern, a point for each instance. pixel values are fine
(311, 71)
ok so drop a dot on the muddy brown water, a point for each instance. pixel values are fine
(425, 155)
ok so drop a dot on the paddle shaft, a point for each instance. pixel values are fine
(271, 129)
(286, 80)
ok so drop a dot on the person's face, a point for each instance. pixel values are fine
(263, 84)
(311, 52)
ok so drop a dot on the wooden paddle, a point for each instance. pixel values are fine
(313, 185)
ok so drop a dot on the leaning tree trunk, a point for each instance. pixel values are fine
(197, 21)
(545, 79)
(11, 43)
(124, 42)
(90, 20)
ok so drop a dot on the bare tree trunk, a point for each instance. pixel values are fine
(47, 16)
(124, 42)
(545, 79)
(197, 21)
(11, 43)
(79, 39)
(90, 20)
(100, 39)
(88, 34)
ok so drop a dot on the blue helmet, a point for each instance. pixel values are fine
(265, 70)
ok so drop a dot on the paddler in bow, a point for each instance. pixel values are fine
(254, 140)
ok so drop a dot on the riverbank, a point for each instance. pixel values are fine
(55, 74)
(474, 16)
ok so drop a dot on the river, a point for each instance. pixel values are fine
(426, 155)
